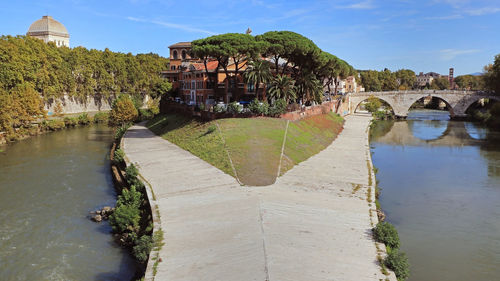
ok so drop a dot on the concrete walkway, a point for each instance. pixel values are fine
(312, 224)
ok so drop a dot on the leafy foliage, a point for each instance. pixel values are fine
(257, 107)
(123, 111)
(282, 87)
(143, 247)
(33, 72)
(492, 75)
(234, 107)
(373, 104)
(278, 108)
(386, 233)
(125, 218)
(398, 262)
(119, 156)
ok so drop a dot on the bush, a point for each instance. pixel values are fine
(145, 114)
(123, 111)
(121, 131)
(219, 108)
(130, 197)
(83, 119)
(119, 156)
(278, 108)
(125, 217)
(131, 173)
(101, 117)
(143, 248)
(373, 104)
(258, 107)
(70, 121)
(234, 107)
(55, 125)
(386, 233)
(398, 262)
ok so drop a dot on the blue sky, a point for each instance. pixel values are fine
(425, 35)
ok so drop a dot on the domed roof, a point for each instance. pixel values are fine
(47, 25)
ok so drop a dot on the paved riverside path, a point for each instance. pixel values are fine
(312, 224)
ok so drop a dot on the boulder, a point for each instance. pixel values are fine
(97, 218)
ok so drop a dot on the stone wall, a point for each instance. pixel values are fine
(323, 108)
(74, 105)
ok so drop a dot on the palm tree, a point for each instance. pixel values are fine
(309, 88)
(258, 72)
(283, 87)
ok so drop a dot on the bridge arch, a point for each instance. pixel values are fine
(401, 101)
(359, 101)
(462, 108)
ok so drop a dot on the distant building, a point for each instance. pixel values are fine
(49, 30)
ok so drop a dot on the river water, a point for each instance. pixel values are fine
(440, 183)
(48, 185)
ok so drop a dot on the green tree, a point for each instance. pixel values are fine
(388, 80)
(282, 87)
(441, 83)
(373, 104)
(492, 75)
(258, 72)
(123, 110)
(406, 79)
(370, 80)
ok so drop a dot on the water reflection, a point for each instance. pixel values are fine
(441, 188)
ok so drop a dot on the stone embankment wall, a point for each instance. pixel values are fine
(76, 105)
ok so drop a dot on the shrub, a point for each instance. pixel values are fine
(219, 108)
(234, 107)
(146, 114)
(55, 125)
(83, 119)
(119, 156)
(130, 197)
(398, 262)
(131, 173)
(121, 131)
(386, 233)
(143, 248)
(258, 107)
(278, 108)
(70, 121)
(101, 117)
(123, 111)
(125, 217)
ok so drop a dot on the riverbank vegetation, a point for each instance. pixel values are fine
(34, 73)
(254, 144)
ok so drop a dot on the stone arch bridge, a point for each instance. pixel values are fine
(457, 102)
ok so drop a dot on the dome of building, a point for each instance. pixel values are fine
(49, 30)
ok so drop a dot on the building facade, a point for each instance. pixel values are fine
(196, 85)
(49, 30)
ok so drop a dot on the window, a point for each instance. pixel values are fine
(183, 54)
(172, 67)
(174, 54)
(232, 83)
(193, 85)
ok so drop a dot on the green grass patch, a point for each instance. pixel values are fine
(254, 144)
(197, 137)
(309, 136)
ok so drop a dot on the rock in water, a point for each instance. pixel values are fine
(97, 218)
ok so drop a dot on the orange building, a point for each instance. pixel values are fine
(194, 85)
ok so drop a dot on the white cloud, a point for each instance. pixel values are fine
(482, 11)
(365, 5)
(450, 54)
(173, 25)
(450, 17)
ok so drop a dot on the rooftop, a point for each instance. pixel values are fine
(48, 26)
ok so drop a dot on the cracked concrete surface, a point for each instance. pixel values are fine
(310, 225)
